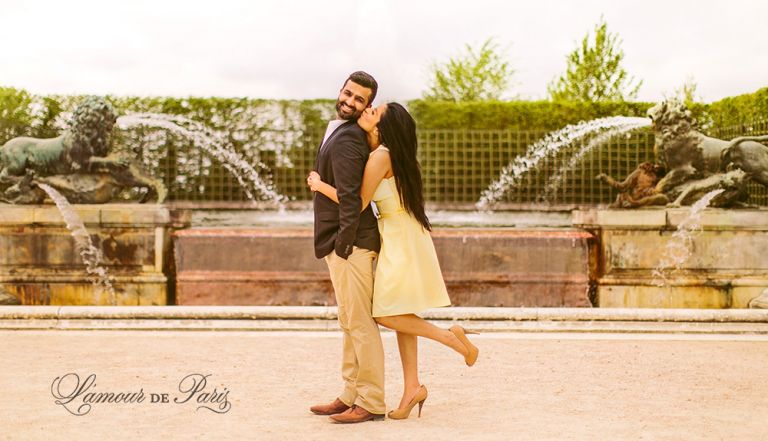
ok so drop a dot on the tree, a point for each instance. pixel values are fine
(479, 74)
(15, 113)
(687, 91)
(594, 71)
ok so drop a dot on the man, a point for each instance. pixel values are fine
(348, 240)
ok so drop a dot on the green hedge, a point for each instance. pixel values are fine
(14, 115)
(742, 109)
(42, 116)
(526, 115)
(519, 115)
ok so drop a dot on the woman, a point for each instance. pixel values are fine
(408, 278)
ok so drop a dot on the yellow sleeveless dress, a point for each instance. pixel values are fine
(408, 278)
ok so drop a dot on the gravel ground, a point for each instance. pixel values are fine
(549, 386)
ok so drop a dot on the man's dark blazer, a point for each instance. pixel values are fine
(340, 163)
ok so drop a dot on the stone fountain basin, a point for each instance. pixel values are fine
(162, 255)
(236, 257)
(158, 255)
(488, 266)
(727, 266)
(40, 265)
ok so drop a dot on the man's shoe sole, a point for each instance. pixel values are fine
(374, 418)
(326, 413)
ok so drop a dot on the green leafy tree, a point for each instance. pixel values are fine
(595, 72)
(687, 91)
(478, 74)
(49, 111)
(15, 113)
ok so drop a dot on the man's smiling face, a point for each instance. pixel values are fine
(353, 99)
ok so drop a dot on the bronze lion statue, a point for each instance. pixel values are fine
(77, 163)
(696, 164)
(687, 154)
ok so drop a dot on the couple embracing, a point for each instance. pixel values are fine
(369, 154)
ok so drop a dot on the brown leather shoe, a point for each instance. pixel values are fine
(355, 414)
(337, 406)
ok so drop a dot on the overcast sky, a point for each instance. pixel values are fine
(306, 48)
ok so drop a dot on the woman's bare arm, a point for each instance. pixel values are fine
(376, 169)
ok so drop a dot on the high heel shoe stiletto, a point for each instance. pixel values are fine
(402, 413)
(472, 351)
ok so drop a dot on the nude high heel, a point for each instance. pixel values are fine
(402, 413)
(472, 351)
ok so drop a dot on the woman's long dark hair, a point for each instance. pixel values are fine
(398, 132)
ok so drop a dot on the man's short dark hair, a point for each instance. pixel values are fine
(366, 80)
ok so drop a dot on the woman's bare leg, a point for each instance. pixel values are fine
(407, 344)
(415, 325)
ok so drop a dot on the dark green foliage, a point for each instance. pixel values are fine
(521, 115)
(46, 125)
(595, 72)
(15, 113)
(479, 74)
(739, 110)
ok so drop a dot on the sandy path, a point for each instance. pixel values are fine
(526, 387)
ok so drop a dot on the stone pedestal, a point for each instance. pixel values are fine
(481, 267)
(40, 265)
(726, 268)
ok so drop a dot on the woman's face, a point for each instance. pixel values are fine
(371, 117)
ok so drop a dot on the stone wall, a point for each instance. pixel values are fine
(726, 265)
(40, 265)
(481, 267)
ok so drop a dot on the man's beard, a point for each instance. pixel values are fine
(355, 114)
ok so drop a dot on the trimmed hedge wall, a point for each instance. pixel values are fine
(742, 109)
(520, 115)
(526, 115)
(22, 113)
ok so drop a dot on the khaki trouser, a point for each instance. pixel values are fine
(362, 365)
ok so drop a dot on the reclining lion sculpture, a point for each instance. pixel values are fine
(77, 163)
(695, 164)
(688, 154)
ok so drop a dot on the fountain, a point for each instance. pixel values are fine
(550, 144)
(214, 144)
(680, 246)
(92, 256)
(695, 164)
(725, 264)
(78, 167)
(42, 259)
(124, 247)
(722, 266)
(78, 164)
(154, 254)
